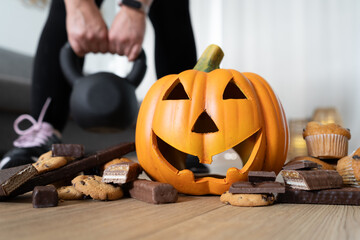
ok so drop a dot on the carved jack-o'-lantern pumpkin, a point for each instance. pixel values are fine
(204, 112)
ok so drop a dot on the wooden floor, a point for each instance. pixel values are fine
(192, 217)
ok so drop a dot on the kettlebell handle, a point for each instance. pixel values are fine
(71, 66)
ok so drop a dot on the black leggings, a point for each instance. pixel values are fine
(174, 52)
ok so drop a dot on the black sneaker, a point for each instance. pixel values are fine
(19, 156)
(32, 142)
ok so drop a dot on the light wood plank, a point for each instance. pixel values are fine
(130, 217)
(281, 221)
(192, 217)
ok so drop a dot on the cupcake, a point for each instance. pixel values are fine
(349, 168)
(328, 141)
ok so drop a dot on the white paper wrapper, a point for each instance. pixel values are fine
(327, 146)
(346, 170)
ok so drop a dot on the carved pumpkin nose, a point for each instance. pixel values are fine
(204, 124)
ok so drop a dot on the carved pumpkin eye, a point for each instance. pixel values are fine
(232, 91)
(176, 92)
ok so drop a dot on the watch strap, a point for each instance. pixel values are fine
(134, 4)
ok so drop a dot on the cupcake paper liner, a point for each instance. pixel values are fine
(347, 172)
(327, 146)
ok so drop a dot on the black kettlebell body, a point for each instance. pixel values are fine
(103, 105)
(102, 102)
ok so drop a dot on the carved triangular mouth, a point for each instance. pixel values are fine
(177, 158)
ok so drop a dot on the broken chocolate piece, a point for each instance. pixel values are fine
(45, 196)
(67, 150)
(70, 170)
(12, 178)
(340, 196)
(261, 176)
(312, 179)
(153, 192)
(121, 173)
(258, 187)
(300, 165)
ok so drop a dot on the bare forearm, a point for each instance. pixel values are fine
(72, 5)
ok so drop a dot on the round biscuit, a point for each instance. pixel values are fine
(47, 163)
(247, 200)
(69, 193)
(94, 187)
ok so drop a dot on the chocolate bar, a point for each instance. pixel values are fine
(70, 170)
(261, 176)
(12, 178)
(67, 150)
(153, 192)
(340, 196)
(257, 187)
(45, 196)
(121, 173)
(312, 179)
(300, 165)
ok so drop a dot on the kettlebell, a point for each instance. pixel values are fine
(103, 101)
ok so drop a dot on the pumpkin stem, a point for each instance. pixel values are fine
(210, 59)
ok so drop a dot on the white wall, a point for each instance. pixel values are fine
(307, 50)
(20, 25)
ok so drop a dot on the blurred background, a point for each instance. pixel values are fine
(308, 50)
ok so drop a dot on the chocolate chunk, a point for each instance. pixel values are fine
(70, 170)
(12, 178)
(44, 196)
(153, 192)
(300, 165)
(312, 179)
(67, 150)
(340, 196)
(257, 187)
(261, 176)
(121, 173)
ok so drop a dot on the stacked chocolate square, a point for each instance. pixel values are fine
(259, 190)
(305, 183)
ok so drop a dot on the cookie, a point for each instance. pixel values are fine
(83, 177)
(69, 193)
(94, 187)
(116, 161)
(47, 163)
(247, 200)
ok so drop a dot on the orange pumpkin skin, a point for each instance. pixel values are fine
(171, 122)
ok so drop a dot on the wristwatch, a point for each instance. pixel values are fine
(135, 5)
